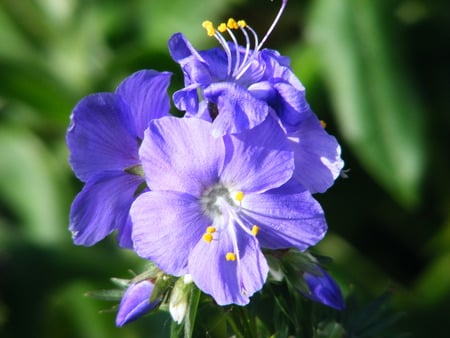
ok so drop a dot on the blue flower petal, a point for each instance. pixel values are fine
(124, 234)
(186, 99)
(101, 136)
(317, 155)
(180, 155)
(145, 93)
(259, 159)
(287, 217)
(102, 207)
(238, 109)
(180, 48)
(227, 281)
(290, 104)
(166, 226)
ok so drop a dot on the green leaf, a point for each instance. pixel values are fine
(377, 110)
(38, 89)
(330, 330)
(31, 186)
(72, 315)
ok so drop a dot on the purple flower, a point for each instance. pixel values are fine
(240, 100)
(323, 289)
(135, 302)
(103, 138)
(214, 202)
(237, 88)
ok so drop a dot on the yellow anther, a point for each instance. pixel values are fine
(208, 25)
(230, 256)
(242, 23)
(239, 196)
(222, 27)
(232, 24)
(323, 123)
(210, 230)
(208, 237)
(255, 230)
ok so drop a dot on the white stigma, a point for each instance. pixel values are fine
(216, 200)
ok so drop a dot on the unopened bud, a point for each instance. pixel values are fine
(179, 298)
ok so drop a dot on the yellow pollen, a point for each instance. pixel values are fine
(208, 25)
(239, 196)
(222, 27)
(208, 237)
(242, 23)
(210, 230)
(232, 24)
(255, 230)
(323, 123)
(230, 256)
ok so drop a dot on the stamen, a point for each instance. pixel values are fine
(240, 67)
(232, 24)
(230, 256)
(208, 237)
(226, 48)
(211, 31)
(242, 23)
(222, 27)
(239, 196)
(245, 65)
(210, 229)
(208, 25)
(255, 230)
(323, 124)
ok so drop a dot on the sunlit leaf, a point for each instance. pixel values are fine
(378, 112)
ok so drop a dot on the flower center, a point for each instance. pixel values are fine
(223, 206)
(216, 200)
(238, 61)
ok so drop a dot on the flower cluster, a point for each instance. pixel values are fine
(202, 195)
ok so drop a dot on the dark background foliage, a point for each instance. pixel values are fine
(378, 72)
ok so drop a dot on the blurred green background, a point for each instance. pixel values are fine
(377, 71)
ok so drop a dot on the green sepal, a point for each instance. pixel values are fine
(151, 272)
(276, 272)
(109, 295)
(290, 265)
(135, 170)
(163, 283)
(120, 282)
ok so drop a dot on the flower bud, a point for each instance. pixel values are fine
(135, 302)
(179, 298)
(323, 289)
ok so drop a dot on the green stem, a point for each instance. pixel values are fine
(241, 323)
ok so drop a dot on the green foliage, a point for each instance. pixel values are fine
(376, 71)
(378, 112)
